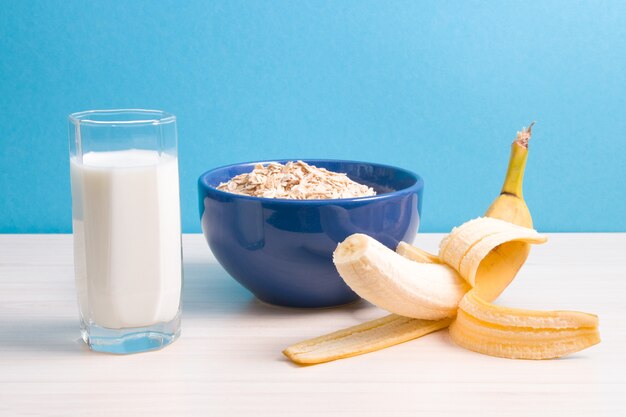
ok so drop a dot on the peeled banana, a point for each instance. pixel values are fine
(425, 290)
(416, 254)
(476, 262)
(411, 289)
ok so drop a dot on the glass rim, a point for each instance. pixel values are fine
(151, 117)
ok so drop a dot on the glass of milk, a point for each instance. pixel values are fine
(126, 223)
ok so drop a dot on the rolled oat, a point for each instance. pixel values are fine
(295, 180)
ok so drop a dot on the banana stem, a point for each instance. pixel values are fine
(514, 180)
(524, 136)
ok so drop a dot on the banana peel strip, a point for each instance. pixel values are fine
(521, 334)
(363, 338)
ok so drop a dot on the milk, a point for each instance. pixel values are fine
(127, 249)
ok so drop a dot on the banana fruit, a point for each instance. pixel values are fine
(390, 281)
(416, 254)
(428, 291)
(476, 262)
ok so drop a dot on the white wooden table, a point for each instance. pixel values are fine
(228, 361)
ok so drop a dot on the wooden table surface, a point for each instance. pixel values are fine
(228, 361)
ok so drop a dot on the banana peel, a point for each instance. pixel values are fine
(521, 334)
(363, 338)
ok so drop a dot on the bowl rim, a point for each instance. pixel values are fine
(415, 187)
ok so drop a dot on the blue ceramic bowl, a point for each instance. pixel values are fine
(281, 250)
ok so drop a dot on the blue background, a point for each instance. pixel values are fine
(436, 87)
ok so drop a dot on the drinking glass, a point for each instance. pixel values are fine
(126, 226)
